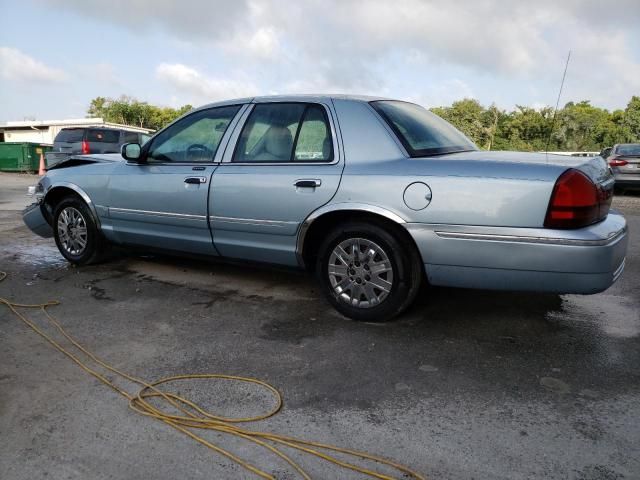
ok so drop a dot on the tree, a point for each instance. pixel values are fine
(129, 111)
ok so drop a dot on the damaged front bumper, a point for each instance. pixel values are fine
(34, 218)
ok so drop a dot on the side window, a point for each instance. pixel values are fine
(103, 136)
(285, 132)
(195, 138)
(130, 137)
(314, 140)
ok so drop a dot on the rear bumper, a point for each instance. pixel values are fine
(586, 260)
(33, 218)
(627, 180)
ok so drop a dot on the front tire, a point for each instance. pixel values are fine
(367, 273)
(76, 233)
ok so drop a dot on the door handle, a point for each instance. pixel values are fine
(195, 180)
(308, 183)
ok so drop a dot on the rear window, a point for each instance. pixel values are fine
(103, 136)
(70, 135)
(632, 149)
(421, 132)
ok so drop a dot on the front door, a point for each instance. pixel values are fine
(162, 202)
(284, 165)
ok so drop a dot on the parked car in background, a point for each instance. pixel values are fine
(87, 140)
(375, 196)
(624, 160)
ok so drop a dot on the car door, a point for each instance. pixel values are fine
(162, 201)
(285, 163)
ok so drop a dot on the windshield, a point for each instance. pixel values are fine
(631, 149)
(421, 132)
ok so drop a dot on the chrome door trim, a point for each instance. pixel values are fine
(158, 214)
(252, 221)
(524, 239)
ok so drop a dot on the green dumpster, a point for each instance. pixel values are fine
(21, 156)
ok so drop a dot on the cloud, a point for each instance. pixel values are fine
(346, 45)
(105, 73)
(20, 67)
(198, 88)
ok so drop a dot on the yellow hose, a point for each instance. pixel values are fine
(193, 417)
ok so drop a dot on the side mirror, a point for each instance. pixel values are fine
(131, 151)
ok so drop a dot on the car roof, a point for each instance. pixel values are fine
(294, 98)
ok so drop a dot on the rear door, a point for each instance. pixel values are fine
(283, 164)
(162, 202)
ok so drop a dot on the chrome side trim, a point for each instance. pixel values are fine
(524, 239)
(252, 221)
(158, 214)
(619, 270)
(79, 191)
(335, 207)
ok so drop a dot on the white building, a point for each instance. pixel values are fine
(44, 131)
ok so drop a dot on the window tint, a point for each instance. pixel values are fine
(130, 137)
(314, 140)
(195, 138)
(103, 136)
(631, 149)
(285, 132)
(269, 133)
(420, 131)
(70, 135)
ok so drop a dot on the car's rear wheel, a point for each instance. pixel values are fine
(367, 273)
(76, 233)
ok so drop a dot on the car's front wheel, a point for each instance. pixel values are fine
(76, 233)
(367, 273)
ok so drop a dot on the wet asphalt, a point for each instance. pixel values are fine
(466, 385)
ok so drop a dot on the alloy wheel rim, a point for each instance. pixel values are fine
(72, 231)
(360, 273)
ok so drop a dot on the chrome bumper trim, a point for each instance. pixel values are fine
(524, 239)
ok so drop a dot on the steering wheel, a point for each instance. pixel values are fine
(199, 150)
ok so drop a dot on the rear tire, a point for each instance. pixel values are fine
(368, 273)
(76, 232)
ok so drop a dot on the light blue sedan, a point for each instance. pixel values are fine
(373, 195)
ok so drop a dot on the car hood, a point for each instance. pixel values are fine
(75, 160)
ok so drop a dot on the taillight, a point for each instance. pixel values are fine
(617, 162)
(85, 147)
(576, 202)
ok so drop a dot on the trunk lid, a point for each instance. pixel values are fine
(594, 167)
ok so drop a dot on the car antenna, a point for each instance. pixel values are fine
(553, 119)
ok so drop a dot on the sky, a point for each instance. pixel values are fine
(56, 55)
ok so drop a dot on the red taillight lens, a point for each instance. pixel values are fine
(617, 162)
(576, 202)
(85, 147)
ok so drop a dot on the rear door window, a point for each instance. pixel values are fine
(285, 132)
(70, 135)
(103, 136)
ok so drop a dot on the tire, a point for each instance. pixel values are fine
(375, 284)
(76, 233)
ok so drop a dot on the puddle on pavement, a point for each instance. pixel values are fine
(35, 255)
(247, 279)
(615, 315)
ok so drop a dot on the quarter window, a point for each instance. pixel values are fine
(285, 132)
(195, 138)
